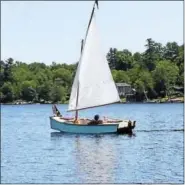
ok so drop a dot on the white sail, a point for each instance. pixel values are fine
(93, 81)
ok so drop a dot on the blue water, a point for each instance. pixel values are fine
(33, 153)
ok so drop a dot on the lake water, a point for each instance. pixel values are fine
(33, 153)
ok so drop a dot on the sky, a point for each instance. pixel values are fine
(47, 31)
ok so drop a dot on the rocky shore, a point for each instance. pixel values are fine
(162, 100)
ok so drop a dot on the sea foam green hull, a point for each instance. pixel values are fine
(68, 127)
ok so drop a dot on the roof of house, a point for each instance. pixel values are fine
(122, 84)
(178, 87)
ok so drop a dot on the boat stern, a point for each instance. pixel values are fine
(126, 127)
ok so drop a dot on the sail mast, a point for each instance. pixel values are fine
(90, 20)
(76, 115)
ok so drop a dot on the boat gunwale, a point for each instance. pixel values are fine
(69, 123)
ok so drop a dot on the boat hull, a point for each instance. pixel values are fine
(68, 127)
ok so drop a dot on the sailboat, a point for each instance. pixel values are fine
(93, 86)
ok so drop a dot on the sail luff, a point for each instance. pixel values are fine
(92, 13)
(76, 116)
(78, 67)
(82, 43)
(82, 46)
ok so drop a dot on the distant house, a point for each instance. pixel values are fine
(179, 89)
(124, 89)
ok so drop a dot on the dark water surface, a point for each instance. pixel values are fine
(33, 153)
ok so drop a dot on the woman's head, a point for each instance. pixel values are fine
(96, 117)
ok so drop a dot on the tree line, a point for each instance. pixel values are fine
(156, 72)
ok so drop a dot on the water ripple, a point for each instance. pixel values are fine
(33, 153)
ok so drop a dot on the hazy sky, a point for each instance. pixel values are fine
(46, 31)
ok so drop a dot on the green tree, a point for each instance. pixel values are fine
(111, 58)
(7, 92)
(8, 70)
(29, 94)
(120, 76)
(152, 73)
(149, 55)
(171, 51)
(17, 91)
(134, 73)
(124, 60)
(138, 60)
(2, 65)
(63, 76)
(28, 90)
(58, 94)
(21, 74)
(165, 76)
(44, 91)
(145, 83)
(141, 80)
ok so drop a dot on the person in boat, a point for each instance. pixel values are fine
(96, 120)
(77, 121)
(57, 113)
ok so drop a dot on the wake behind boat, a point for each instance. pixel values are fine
(93, 86)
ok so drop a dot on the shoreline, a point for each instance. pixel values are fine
(166, 102)
(123, 101)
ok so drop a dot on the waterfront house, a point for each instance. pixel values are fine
(124, 89)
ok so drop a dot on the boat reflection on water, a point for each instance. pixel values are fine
(65, 134)
(95, 158)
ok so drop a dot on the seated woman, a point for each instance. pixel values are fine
(76, 121)
(96, 120)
